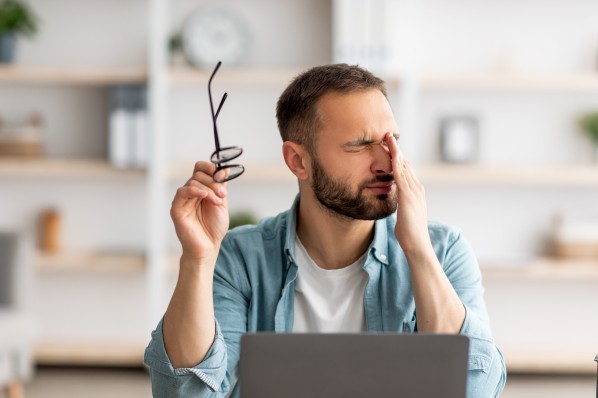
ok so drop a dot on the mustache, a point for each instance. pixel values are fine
(378, 178)
(384, 178)
(381, 178)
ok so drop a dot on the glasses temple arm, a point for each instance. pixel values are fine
(220, 106)
(214, 115)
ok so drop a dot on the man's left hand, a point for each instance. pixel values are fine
(411, 229)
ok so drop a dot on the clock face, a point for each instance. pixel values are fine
(214, 34)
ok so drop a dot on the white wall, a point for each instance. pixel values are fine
(536, 35)
(87, 33)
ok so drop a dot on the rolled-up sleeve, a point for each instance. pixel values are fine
(207, 379)
(487, 372)
(486, 367)
(217, 374)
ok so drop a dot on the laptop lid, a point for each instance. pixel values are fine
(353, 365)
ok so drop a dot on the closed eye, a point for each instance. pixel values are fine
(357, 146)
(361, 144)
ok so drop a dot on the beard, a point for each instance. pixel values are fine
(336, 195)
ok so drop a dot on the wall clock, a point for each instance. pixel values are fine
(214, 34)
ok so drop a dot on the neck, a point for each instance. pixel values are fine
(332, 241)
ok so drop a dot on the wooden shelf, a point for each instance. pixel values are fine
(267, 173)
(543, 268)
(62, 167)
(75, 76)
(570, 176)
(460, 175)
(255, 76)
(261, 76)
(92, 354)
(583, 82)
(95, 262)
(548, 360)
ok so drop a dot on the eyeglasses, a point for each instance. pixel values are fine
(224, 172)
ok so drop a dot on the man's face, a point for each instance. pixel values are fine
(351, 169)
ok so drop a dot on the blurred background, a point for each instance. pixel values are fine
(104, 110)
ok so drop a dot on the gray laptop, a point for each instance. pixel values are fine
(353, 365)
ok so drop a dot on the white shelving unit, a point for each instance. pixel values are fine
(88, 299)
(181, 134)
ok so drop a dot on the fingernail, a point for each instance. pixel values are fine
(222, 191)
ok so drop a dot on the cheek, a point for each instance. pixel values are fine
(364, 165)
(353, 169)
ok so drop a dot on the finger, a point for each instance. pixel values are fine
(206, 167)
(397, 162)
(203, 172)
(211, 195)
(396, 157)
(187, 197)
(393, 147)
(411, 178)
(207, 180)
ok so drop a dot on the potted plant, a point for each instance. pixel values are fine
(242, 218)
(589, 125)
(16, 18)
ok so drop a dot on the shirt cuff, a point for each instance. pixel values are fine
(482, 349)
(212, 370)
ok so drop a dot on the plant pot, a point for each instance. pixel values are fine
(7, 47)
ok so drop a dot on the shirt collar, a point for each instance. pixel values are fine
(291, 232)
(378, 247)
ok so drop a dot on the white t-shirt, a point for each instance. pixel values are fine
(328, 301)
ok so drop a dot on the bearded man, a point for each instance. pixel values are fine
(354, 253)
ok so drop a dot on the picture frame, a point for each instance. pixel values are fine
(459, 139)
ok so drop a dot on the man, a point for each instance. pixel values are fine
(355, 252)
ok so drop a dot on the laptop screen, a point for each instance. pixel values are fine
(353, 365)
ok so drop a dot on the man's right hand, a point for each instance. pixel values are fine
(200, 215)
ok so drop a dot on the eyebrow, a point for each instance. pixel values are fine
(364, 140)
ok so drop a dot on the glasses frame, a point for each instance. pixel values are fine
(217, 156)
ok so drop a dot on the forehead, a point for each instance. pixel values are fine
(349, 115)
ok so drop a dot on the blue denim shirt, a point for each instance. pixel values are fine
(254, 286)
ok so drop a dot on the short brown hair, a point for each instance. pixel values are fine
(296, 110)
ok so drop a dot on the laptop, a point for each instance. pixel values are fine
(274, 365)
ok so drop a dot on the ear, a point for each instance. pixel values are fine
(297, 159)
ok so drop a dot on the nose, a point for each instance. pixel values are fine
(381, 163)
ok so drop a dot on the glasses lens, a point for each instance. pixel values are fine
(227, 173)
(226, 154)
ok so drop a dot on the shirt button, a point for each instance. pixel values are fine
(383, 256)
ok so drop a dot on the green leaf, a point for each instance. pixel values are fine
(242, 218)
(16, 16)
(589, 124)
